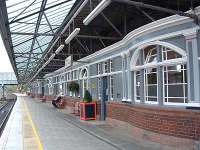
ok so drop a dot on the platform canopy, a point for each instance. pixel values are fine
(32, 30)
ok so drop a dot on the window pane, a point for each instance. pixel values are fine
(175, 77)
(152, 78)
(152, 90)
(150, 54)
(137, 90)
(176, 100)
(152, 99)
(137, 94)
(151, 84)
(170, 54)
(175, 91)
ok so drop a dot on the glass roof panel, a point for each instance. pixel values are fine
(19, 38)
(59, 13)
(24, 9)
(21, 59)
(31, 19)
(21, 65)
(35, 7)
(23, 23)
(25, 47)
(53, 2)
(14, 5)
(24, 29)
(44, 29)
(44, 39)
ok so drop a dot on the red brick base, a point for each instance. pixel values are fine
(49, 98)
(170, 121)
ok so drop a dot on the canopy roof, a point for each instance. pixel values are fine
(33, 29)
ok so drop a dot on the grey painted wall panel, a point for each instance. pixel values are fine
(117, 62)
(198, 38)
(93, 70)
(118, 87)
(94, 88)
(178, 41)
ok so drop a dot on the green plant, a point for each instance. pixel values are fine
(73, 87)
(87, 97)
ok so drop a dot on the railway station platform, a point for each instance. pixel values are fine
(35, 125)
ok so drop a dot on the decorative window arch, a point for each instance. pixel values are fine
(84, 77)
(83, 73)
(133, 62)
(171, 61)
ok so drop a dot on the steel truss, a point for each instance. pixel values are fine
(30, 43)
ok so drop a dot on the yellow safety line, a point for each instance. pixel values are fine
(33, 127)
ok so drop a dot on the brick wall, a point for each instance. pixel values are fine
(49, 97)
(171, 121)
(71, 101)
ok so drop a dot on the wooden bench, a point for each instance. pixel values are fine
(61, 104)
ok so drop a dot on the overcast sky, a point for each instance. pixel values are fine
(5, 65)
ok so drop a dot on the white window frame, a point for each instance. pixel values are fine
(169, 62)
(135, 87)
(105, 64)
(111, 66)
(167, 84)
(146, 87)
(99, 69)
(99, 88)
(112, 87)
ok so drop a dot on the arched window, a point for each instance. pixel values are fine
(84, 77)
(155, 61)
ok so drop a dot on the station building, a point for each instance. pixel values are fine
(154, 68)
(155, 64)
(140, 57)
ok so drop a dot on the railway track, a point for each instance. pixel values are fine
(5, 111)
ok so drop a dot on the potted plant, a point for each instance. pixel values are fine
(73, 87)
(87, 107)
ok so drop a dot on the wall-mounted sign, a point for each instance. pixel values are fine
(68, 61)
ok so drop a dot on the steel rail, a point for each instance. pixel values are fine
(5, 111)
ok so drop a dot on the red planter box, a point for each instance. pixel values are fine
(88, 111)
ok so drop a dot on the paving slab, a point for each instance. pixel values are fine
(58, 129)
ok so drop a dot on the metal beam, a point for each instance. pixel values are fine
(27, 53)
(79, 42)
(67, 54)
(58, 60)
(55, 65)
(98, 37)
(68, 19)
(31, 39)
(23, 10)
(145, 14)
(38, 44)
(111, 24)
(48, 22)
(35, 34)
(35, 23)
(158, 8)
(5, 33)
(39, 11)
(101, 41)
(36, 29)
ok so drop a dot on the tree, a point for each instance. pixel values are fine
(87, 97)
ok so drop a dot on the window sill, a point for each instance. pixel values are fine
(183, 104)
